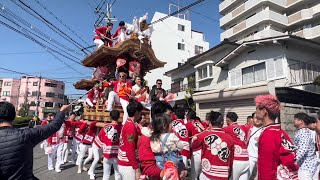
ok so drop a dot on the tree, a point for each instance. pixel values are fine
(24, 110)
(316, 81)
(189, 93)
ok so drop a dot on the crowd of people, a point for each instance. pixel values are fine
(216, 147)
(175, 144)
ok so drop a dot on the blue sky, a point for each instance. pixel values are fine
(21, 54)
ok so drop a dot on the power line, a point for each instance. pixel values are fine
(23, 53)
(8, 12)
(16, 72)
(38, 16)
(113, 2)
(177, 12)
(101, 2)
(208, 17)
(50, 12)
(199, 12)
(46, 47)
(36, 41)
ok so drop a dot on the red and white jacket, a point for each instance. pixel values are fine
(127, 155)
(276, 151)
(194, 127)
(69, 130)
(139, 128)
(180, 129)
(108, 140)
(103, 30)
(217, 153)
(77, 126)
(94, 94)
(90, 133)
(57, 137)
(121, 91)
(238, 133)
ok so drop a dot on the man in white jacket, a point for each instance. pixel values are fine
(252, 138)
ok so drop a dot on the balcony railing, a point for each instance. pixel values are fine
(182, 88)
(302, 73)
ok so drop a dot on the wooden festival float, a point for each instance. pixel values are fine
(132, 49)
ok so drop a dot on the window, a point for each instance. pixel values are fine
(6, 93)
(48, 104)
(210, 71)
(57, 104)
(235, 77)
(62, 86)
(268, 70)
(32, 103)
(7, 84)
(198, 49)
(35, 83)
(181, 46)
(205, 70)
(50, 94)
(35, 93)
(254, 74)
(60, 96)
(275, 68)
(180, 27)
(50, 85)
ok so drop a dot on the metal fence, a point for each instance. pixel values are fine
(181, 88)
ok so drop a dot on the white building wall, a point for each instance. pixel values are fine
(242, 18)
(219, 79)
(291, 53)
(165, 39)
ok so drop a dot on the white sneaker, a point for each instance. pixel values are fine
(90, 173)
(50, 168)
(92, 176)
(79, 171)
(58, 170)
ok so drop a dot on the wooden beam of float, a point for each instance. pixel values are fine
(131, 50)
(85, 84)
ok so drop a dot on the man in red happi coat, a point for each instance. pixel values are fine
(276, 154)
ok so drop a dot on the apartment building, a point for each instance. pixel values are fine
(50, 92)
(244, 20)
(174, 41)
(9, 90)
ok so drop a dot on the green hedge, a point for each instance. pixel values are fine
(22, 120)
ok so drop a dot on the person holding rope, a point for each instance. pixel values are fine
(103, 36)
(16, 145)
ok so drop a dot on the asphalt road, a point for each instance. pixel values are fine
(69, 171)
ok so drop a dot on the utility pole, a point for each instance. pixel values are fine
(36, 112)
(109, 17)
